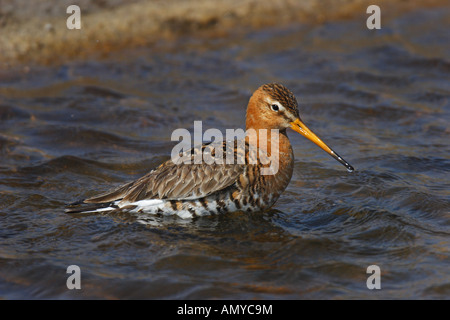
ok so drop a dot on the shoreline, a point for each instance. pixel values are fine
(37, 34)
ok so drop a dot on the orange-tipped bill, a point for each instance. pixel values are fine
(300, 127)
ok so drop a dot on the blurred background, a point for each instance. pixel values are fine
(82, 111)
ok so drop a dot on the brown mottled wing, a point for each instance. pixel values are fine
(179, 181)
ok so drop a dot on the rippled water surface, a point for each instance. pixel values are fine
(379, 98)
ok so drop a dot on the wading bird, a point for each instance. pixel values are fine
(189, 189)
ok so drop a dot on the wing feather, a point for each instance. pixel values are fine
(177, 181)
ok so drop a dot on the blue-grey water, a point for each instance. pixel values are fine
(380, 98)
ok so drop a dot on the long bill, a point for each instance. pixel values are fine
(301, 128)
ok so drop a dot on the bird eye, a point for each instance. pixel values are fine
(275, 107)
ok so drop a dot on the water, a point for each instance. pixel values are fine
(379, 98)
